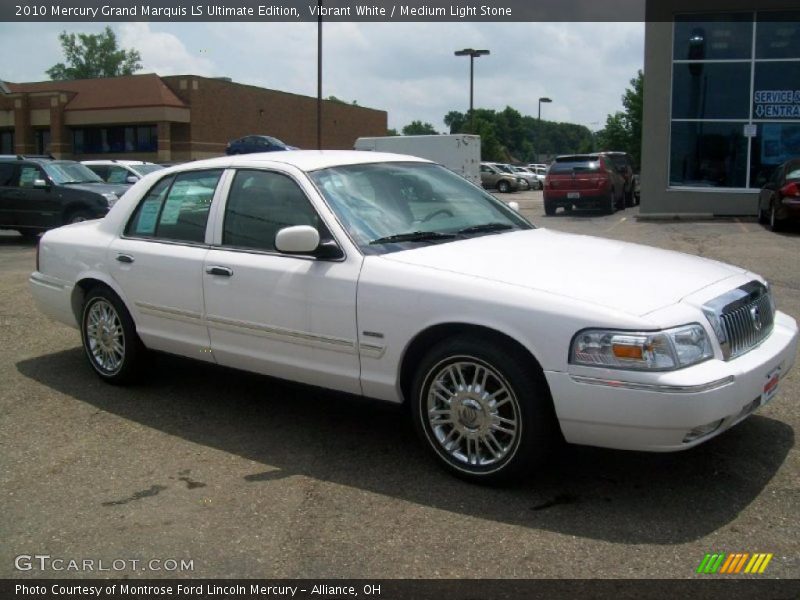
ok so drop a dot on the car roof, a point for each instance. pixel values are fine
(305, 160)
(116, 162)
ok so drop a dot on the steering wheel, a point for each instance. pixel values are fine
(441, 211)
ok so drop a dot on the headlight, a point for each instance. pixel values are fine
(111, 198)
(642, 351)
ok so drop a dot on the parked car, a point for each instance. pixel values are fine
(419, 298)
(255, 143)
(493, 177)
(121, 171)
(530, 178)
(626, 167)
(41, 193)
(524, 182)
(779, 199)
(583, 181)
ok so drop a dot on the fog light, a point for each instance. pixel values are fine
(702, 431)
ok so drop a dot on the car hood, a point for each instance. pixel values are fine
(100, 188)
(627, 277)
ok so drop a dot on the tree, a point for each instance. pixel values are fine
(391, 132)
(419, 128)
(90, 56)
(623, 130)
(340, 101)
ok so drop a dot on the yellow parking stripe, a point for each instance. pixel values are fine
(765, 563)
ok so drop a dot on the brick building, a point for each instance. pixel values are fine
(175, 118)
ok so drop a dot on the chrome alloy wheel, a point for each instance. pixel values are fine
(104, 336)
(472, 413)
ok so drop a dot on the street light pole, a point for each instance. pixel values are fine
(540, 105)
(319, 76)
(473, 54)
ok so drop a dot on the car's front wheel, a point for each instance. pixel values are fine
(483, 409)
(109, 337)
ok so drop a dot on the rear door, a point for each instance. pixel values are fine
(8, 177)
(158, 262)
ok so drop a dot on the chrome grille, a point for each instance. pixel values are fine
(741, 318)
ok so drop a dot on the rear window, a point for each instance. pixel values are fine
(576, 166)
(793, 172)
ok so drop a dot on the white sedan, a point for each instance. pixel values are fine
(390, 277)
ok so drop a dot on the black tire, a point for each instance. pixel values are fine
(481, 447)
(774, 223)
(762, 215)
(611, 204)
(630, 200)
(102, 299)
(503, 186)
(549, 208)
(78, 216)
(30, 234)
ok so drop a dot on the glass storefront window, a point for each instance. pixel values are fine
(713, 37)
(6, 142)
(776, 91)
(118, 139)
(711, 90)
(774, 144)
(778, 35)
(708, 155)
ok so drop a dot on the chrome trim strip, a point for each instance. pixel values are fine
(46, 281)
(371, 350)
(166, 312)
(283, 335)
(654, 387)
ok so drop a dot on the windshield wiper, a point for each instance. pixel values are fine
(486, 228)
(414, 236)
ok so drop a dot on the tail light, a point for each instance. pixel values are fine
(791, 189)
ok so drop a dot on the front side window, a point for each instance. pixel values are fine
(176, 208)
(260, 204)
(28, 174)
(388, 207)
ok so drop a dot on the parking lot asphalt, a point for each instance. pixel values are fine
(248, 476)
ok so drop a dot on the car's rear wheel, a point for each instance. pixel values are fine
(109, 337)
(29, 233)
(483, 409)
(774, 222)
(762, 215)
(549, 208)
(630, 200)
(503, 187)
(611, 203)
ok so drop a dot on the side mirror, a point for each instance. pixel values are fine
(40, 183)
(514, 206)
(131, 179)
(300, 239)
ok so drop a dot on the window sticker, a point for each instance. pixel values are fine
(147, 216)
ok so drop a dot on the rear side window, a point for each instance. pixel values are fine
(176, 208)
(260, 204)
(6, 174)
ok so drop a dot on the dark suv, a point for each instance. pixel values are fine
(42, 193)
(256, 143)
(625, 167)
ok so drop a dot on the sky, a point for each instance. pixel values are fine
(406, 69)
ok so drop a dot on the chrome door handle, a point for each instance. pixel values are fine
(124, 258)
(221, 271)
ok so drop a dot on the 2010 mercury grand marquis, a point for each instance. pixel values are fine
(391, 277)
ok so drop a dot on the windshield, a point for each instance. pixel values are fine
(146, 169)
(411, 204)
(65, 172)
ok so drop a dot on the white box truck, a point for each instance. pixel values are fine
(458, 152)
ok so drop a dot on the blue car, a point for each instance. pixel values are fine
(256, 143)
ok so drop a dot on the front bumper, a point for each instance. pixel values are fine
(657, 411)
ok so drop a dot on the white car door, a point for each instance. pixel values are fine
(158, 263)
(287, 316)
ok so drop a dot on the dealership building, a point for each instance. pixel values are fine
(175, 118)
(721, 103)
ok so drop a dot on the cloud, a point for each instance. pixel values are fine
(164, 53)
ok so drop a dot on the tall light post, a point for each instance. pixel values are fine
(319, 76)
(473, 54)
(546, 100)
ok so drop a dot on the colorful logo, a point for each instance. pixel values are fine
(734, 563)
